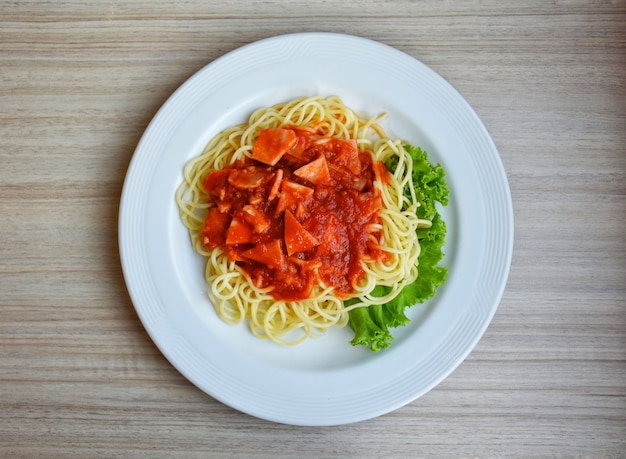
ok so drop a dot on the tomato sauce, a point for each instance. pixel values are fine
(298, 212)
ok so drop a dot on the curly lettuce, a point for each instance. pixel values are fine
(371, 325)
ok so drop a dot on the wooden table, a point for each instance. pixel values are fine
(80, 81)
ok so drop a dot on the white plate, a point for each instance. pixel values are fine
(324, 381)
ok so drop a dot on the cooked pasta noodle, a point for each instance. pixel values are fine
(234, 295)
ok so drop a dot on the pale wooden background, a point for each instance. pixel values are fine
(79, 82)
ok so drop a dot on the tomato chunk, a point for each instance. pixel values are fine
(347, 154)
(216, 181)
(291, 194)
(297, 239)
(214, 227)
(255, 218)
(272, 144)
(247, 178)
(315, 172)
(278, 178)
(238, 232)
(268, 253)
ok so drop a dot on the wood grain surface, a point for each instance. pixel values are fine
(80, 81)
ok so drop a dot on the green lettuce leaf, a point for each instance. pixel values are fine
(371, 324)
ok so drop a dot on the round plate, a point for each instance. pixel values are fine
(324, 381)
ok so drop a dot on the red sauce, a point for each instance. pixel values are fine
(298, 212)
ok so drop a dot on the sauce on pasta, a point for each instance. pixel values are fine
(301, 211)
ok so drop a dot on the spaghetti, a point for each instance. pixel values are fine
(285, 161)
